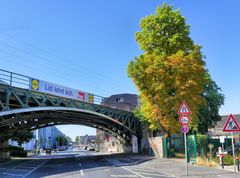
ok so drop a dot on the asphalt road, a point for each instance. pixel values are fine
(77, 164)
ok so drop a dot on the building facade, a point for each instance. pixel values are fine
(104, 141)
(123, 101)
(87, 139)
(42, 139)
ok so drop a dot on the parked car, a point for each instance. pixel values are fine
(229, 149)
(91, 148)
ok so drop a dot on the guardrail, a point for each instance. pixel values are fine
(14, 79)
(23, 81)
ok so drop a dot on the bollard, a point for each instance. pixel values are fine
(237, 158)
(222, 160)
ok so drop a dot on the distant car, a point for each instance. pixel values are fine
(90, 148)
(85, 148)
(62, 148)
(229, 149)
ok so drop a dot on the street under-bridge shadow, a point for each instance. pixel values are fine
(66, 165)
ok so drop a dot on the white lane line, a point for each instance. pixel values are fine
(114, 163)
(81, 170)
(133, 172)
(140, 169)
(163, 173)
(123, 175)
(23, 170)
(10, 174)
(31, 167)
(151, 174)
(35, 169)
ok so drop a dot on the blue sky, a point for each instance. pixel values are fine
(87, 44)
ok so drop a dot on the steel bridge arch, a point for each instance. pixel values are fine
(19, 109)
(17, 115)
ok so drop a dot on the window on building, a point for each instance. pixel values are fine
(119, 99)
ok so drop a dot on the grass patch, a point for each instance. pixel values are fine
(203, 161)
(179, 155)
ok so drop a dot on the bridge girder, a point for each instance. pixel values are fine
(24, 109)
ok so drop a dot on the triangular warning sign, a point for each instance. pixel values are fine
(184, 109)
(231, 125)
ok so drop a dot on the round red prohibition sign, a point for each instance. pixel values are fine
(184, 119)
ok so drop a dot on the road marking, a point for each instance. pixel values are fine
(81, 170)
(141, 169)
(35, 169)
(107, 170)
(113, 162)
(31, 167)
(151, 174)
(133, 172)
(124, 175)
(23, 170)
(11, 174)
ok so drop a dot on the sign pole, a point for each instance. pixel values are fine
(185, 140)
(184, 119)
(234, 162)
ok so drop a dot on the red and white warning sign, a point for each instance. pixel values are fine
(184, 109)
(231, 125)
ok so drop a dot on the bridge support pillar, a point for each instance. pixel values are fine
(134, 144)
(4, 154)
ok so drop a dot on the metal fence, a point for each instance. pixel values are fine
(14, 79)
(23, 81)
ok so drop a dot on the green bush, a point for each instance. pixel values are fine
(15, 148)
(18, 153)
(228, 160)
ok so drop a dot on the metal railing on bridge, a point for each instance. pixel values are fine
(23, 81)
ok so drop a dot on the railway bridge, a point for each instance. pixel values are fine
(25, 107)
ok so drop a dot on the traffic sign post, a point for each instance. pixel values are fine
(185, 129)
(232, 126)
(184, 109)
(185, 145)
(184, 119)
(222, 140)
(234, 162)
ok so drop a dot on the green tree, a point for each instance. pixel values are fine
(77, 140)
(208, 115)
(170, 70)
(22, 137)
(61, 140)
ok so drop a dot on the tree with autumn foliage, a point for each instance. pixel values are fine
(170, 70)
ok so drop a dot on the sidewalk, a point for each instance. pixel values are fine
(177, 168)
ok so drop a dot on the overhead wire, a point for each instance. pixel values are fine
(66, 75)
(14, 62)
(91, 73)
